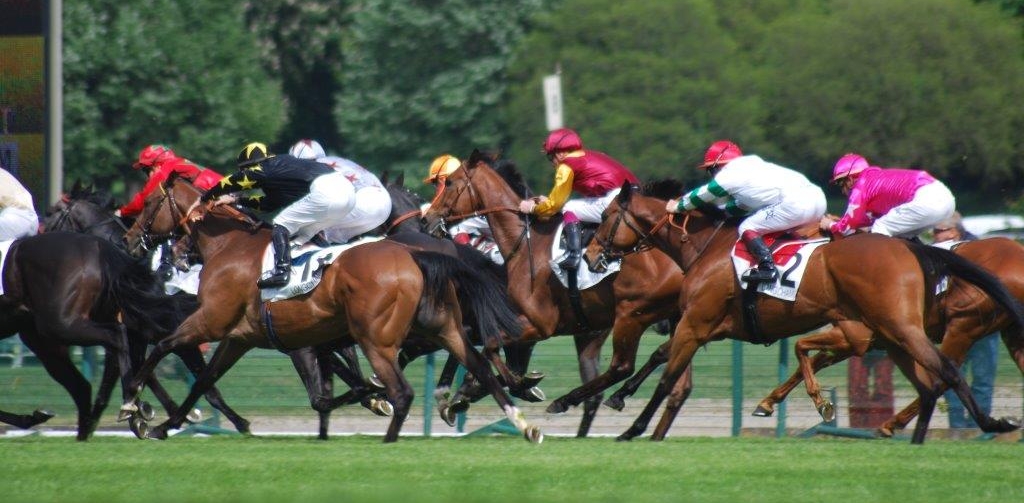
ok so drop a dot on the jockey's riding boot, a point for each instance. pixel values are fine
(282, 262)
(573, 245)
(765, 272)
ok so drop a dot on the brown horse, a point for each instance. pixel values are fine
(960, 317)
(373, 295)
(868, 286)
(644, 291)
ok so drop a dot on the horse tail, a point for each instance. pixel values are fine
(484, 302)
(141, 299)
(937, 261)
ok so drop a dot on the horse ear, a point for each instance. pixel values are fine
(626, 193)
(474, 158)
(400, 179)
(76, 187)
(384, 177)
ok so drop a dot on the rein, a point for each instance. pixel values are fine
(401, 219)
(644, 241)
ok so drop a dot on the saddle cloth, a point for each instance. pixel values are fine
(943, 283)
(585, 278)
(5, 246)
(790, 258)
(308, 263)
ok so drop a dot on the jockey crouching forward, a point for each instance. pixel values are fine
(372, 204)
(18, 218)
(473, 231)
(893, 202)
(159, 162)
(595, 175)
(311, 197)
(772, 197)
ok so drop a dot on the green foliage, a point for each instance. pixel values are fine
(300, 41)
(934, 90)
(160, 72)
(425, 78)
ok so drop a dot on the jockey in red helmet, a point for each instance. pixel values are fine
(771, 197)
(595, 175)
(159, 161)
(894, 202)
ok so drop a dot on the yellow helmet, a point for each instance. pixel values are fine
(253, 153)
(442, 166)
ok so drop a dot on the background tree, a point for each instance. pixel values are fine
(424, 78)
(300, 43)
(160, 72)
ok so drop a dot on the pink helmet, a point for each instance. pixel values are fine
(561, 140)
(720, 152)
(849, 164)
(151, 155)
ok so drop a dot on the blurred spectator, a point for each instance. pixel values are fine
(981, 359)
(870, 386)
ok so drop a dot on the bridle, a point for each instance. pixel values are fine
(66, 221)
(609, 253)
(148, 240)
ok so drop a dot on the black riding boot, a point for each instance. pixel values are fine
(765, 272)
(574, 246)
(282, 262)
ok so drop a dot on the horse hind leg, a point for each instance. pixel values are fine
(57, 362)
(384, 362)
(26, 421)
(192, 357)
(658, 358)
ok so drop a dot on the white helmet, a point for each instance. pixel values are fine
(307, 149)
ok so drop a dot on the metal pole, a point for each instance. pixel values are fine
(55, 101)
(780, 424)
(737, 387)
(428, 395)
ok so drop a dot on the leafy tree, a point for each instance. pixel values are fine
(937, 89)
(300, 42)
(427, 77)
(160, 72)
(650, 83)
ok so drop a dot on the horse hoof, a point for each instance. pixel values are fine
(459, 405)
(375, 382)
(616, 403)
(194, 416)
(531, 379)
(625, 437)
(557, 407)
(827, 411)
(127, 411)
(158, 433)
(1005, 424)
(885, 431)
(533, 435)
(381, 407)
(447, 416)
(40, 416)
(146, 410)
(139, 427)
(762, 411)
(534, 394)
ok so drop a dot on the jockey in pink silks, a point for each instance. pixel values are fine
(893, 202)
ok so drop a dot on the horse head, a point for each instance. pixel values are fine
(406, 206)
(86, 210)
(163, 215)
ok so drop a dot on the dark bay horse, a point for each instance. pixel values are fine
(644, 291)
(374, 295)
(86, 210)
(959, 317)
(63, 289)
(868, 286)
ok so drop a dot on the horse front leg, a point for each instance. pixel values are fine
(658, 358)
(588, 350)
(192, 357)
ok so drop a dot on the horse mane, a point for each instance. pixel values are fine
(666, 188)
(90, 194)
(506, 168)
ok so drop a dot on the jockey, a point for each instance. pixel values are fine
(893, 202)
(159, 161)
(373, 203)
(311, 197)
(772, 198)
(595, 175)
(18, 217)
(473, 231)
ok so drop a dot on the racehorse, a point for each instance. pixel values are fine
(373, 294)
(63, 289)
(959, 318)
(868, 286)
(86, 210)
(644, 291)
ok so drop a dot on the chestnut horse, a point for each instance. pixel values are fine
(373, 295)
(868, 286)
(644, 291)
(960, 317)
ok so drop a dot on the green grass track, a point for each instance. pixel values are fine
(506, 469)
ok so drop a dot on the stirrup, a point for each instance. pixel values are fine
(571, 261)
(274, 280)
(758, 275)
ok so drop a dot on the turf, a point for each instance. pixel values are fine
(505, 469)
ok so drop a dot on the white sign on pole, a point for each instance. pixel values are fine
(553, 101)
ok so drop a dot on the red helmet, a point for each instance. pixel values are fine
(720, 152)
(153, 154)
(562, 140)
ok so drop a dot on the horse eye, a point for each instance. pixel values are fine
(447, 183)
